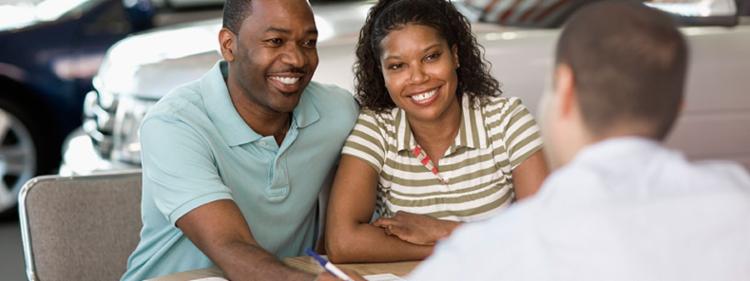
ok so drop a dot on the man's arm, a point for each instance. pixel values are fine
(219, 230)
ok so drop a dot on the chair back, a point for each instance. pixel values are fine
(81, 227)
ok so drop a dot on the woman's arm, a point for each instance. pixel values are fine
(349, 235)
(417, 229)
(529, 175)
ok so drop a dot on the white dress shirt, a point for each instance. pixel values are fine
(623, 209)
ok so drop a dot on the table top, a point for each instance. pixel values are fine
(307, 264)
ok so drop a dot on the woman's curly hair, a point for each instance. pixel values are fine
(473, 74)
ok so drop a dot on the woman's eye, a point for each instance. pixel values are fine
(395, 66)
(432, 57)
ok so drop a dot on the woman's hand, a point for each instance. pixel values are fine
(416, 229)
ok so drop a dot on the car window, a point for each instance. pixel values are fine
(111, 20)
(553, 13)
(699, 12)
(333, 1)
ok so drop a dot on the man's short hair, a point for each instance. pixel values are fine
(629, 64)
(235, 12)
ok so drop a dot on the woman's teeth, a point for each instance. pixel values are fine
(424, 96)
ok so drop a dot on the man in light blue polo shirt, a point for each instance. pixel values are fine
(233, 163)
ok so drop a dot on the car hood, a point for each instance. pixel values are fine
(150, 64)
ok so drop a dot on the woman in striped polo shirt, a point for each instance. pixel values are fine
(435, 144)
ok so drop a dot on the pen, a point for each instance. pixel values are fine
(328, 265)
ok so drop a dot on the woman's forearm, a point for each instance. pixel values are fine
(367, 243)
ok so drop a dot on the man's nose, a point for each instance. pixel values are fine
(294, 56)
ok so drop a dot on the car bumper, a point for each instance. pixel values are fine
(81, 158)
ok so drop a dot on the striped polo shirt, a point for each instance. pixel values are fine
(473, 179)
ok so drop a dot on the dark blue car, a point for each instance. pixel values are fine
(49, 52)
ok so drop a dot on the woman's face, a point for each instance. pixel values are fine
(419, 69)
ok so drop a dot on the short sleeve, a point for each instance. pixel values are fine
(366, 141)
(178, 168)
(521, 132)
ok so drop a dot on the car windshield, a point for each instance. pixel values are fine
(694, 8)
(17, 13)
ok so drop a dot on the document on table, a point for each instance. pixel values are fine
(373, 277)
(383, 277)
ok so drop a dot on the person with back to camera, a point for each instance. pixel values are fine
(436, 145)
(621, 206)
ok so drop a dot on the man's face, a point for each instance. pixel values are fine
(275, 53)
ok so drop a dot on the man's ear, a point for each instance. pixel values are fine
(227, 43)
(565, 93)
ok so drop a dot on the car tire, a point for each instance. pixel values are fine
(21, 155)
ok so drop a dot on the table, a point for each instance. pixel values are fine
(306, 264)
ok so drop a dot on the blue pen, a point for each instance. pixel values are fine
(328, 265)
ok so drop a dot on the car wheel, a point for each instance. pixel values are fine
(18, 154)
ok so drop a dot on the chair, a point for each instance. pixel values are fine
(80, 227)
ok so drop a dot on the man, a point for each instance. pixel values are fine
(233, 163)
(621, 207)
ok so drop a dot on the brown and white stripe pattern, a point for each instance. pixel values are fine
(476, 170)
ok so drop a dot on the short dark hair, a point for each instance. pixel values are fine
(629, 63)
(235, 12)
(474, 77)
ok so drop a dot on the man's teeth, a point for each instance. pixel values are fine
(424, 96)
(286, 80)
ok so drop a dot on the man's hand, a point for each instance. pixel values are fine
(416, 229)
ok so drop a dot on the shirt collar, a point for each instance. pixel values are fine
(306, 113)
(228, 121)
(471, 132)
(621, 148)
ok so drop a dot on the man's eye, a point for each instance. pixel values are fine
(275, 41)
(310, 43)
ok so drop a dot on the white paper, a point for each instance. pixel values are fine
(373, 277)
(384, 277)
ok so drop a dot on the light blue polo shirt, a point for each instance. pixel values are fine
(197, 149)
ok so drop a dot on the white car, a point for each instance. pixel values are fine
(715, 123)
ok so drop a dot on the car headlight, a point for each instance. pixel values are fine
(126, 143)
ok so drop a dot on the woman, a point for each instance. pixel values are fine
(435, 144)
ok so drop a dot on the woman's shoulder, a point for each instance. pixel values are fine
(491, 103)
(379, 117)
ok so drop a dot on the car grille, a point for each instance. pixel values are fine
(98, 121)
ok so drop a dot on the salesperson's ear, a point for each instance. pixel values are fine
(565, 94)
(227, 40)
